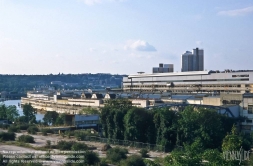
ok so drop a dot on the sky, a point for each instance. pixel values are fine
(122, 36)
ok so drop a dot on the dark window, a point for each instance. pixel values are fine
(246, 75)
(250, 109)
(249, 121)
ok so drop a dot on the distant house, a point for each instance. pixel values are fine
(97, 96)
(86, 96)
(110, 96)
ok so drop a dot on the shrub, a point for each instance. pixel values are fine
(48, 143)
(32, 130)
(13, 129)
(2, 158)
(79, 146)
(80, 135)
(106, 147)
(64, 145)
(116, 154)
(23, 126)
(103, 162)
(26, 139)
(45, 131)
(9, 136)
(133, 160)
(91, 158)
(144, 153)
(4, 126)
(69, 133)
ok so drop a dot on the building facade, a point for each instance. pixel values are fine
(163, 68)
(217, 82)
(193, 61)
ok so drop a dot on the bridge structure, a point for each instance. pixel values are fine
(181, 106)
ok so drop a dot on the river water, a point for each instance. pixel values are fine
(39, 116)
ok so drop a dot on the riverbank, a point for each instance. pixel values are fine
(17, 103)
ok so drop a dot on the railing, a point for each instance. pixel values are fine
(132, 144)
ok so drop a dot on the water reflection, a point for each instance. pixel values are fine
(39, 116)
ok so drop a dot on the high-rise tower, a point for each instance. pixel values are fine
(193, 61)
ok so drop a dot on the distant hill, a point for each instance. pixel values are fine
(23, 83)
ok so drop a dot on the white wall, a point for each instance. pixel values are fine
(85, 102)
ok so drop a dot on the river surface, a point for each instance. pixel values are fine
(39, 116)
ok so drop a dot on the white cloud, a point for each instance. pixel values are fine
(92, 49)
(94, 2)
(237, 12)
(139, 45)
(199, 43)
(133, 55)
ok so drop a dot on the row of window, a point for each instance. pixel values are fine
(198, 80)
(87, 122)
(201, 85)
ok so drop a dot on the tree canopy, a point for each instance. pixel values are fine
(29, 113)
(8, 112)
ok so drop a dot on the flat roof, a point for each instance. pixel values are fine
(170, 74)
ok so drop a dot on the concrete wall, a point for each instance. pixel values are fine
(212, 101)
(192, 101)
(140, 103)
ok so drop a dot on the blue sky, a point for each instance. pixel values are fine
(122, 36)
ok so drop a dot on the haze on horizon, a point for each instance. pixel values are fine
(122, 36)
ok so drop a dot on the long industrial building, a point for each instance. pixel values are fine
(216, 82)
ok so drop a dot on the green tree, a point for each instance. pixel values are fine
(112, 115)
(202, 123)
(232, 141)
(191, 155)
(8, 112)
(89, 111)
(134, 122)
(60, 120)
(165, 122)
(29, 113)
(214, 157)
(50, 117)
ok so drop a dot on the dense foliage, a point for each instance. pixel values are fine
(29, 113)
(50, 117)
(163, 126)
(8, 112)
(7, 136)
(115, 155)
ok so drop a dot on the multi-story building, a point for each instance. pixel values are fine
(192, 82)
(163, 68)
(193, 61)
